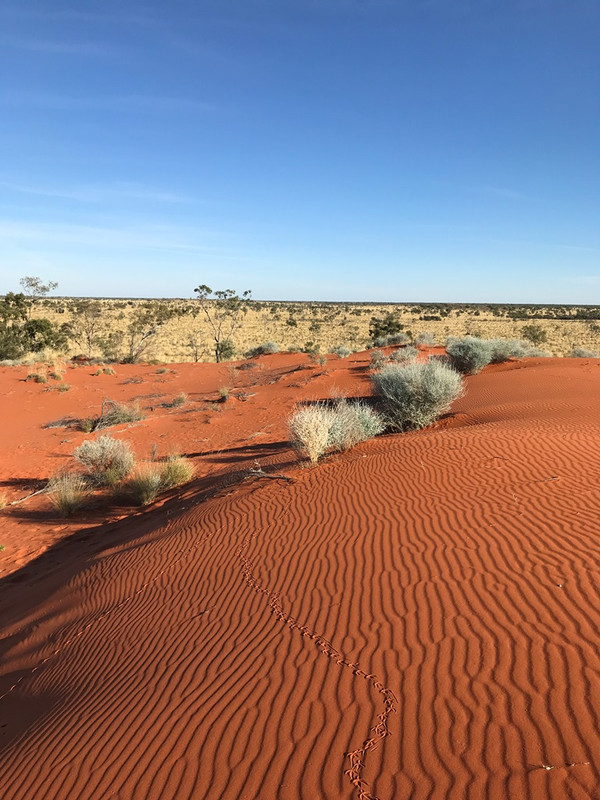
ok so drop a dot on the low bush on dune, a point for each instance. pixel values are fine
(469, 354)
(342, 351)
(111, 414)
(378, 359)
(106, 460)
(415, 395)
(404, 354)
(149, 480)
(505, 349)
(394, 338)
(425, 339)
(321, 427)
(581, 352)
(68, 492)
(266, 348)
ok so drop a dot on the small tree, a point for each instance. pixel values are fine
(144, 326)
(224, 311)
(34, 288)
(84, 328)
(20, 335)
(388, 325)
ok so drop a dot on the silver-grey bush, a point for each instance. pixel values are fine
(415, 395)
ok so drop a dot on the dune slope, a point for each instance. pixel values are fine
(416, 619)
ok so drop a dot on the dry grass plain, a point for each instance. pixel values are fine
(186, 337)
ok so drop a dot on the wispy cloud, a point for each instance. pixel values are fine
(134, 102)
(101, 193)
(57, 47)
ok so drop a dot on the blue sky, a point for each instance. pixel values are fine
(395, 150)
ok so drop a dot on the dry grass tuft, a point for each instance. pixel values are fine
(68, 492)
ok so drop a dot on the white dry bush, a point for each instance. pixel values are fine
(67, 492)
(107, 460)
(505, 349)
(582, 352)
(415, 395)
(320, 427)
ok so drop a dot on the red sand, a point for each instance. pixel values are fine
(417, 618)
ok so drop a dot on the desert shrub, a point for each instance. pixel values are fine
(396, 338)
(67, 492)
(37, 377)
(504, 349)
(144, 485)
(109, 371)
(64, 387)
(107, 460)
(178, 400)
(386, 326)
(111, 414)
(534, 334)
(404, 354)
(175, 471)
(161, 371)
(581, 352)
(535, 352)
(262, 349)
(351, 423)
(342, 351)
(321, 427)
(56, 376)
(425, 339)
(414, 395)
(309, 428)
(469, 354)
(378, 359)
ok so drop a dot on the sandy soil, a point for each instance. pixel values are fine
(415, 619)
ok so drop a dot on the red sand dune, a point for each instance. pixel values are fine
(417, 618)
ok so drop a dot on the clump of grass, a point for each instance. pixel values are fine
(469, 354)
(107, 461)
(149, 480)
(404, 354)
(37, 377)
(64, 387)
(394, 338)
(111, 414)
(581, 352)
(98, 372)
(175, 471)
(144, 485)
(224, 393)
(68, 492)
(161, 371)
(109, 371)
(3, 501)
(56, 376)
(266, 348)
(415, 395)
(178, 400)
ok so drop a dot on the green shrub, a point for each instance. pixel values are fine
(106, 460)
(534, 334)
(68, 492)
(415, 395)
(469, 354)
